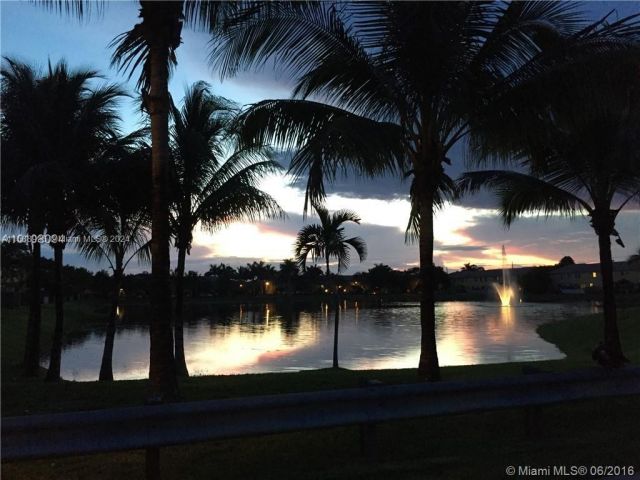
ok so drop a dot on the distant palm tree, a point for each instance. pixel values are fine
(71, 122)
(288, 273)
(327, 240)
(402, 82)
(115, 223)
(471, 267)
(214, 181)
(579, 144)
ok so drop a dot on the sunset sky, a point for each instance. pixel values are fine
(467, 232)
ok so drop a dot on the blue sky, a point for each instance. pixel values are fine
(469, 232)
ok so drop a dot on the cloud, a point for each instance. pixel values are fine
(385, 244)
(554, 237)
(460, 248)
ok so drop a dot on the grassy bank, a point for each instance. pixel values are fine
(79, 319)
(599, 432)
(578, 336)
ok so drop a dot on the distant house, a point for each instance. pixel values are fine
(483, 280)
(568, 279)
(575, 278)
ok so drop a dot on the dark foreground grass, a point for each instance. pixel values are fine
(602, 432)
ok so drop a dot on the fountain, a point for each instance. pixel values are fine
(505, 292)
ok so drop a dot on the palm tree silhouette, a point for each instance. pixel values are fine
(150, 46)
(401, 82)
(115, 223)
(207, 190)
(22, 205)
(327, 240)
(69, 128)
(288, 274)
(578, 143)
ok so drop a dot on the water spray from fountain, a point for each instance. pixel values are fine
(505, 292)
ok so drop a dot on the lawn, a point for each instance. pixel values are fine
(599, 432)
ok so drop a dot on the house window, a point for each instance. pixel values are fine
(594, 274)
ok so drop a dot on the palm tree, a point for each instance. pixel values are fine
(258, 275)
(206, 189)
(77, 122)
(288, 273)
(151, 46)
(327, 240)
(471, 267)
(579, 145)
(115, 223)
(401, 82)
(22, 203)
(69, 124)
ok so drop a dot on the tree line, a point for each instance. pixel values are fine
(385, 87)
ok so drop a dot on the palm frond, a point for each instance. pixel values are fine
(520, 193)
(162, 24)
(328, 141)
(359, 246)
(80, 9)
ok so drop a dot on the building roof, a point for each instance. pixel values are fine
(577, 268)
(593, 267)
(486, 273)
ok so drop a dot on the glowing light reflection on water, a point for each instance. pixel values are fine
(268, 338)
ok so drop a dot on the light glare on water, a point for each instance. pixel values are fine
(269, 338)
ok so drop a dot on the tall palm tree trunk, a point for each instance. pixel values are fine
(53, 374)
(106, 366)
(336, 325)
(162, 376)
(32, 345)
(428, 366)
(181, 362)
(611, 334)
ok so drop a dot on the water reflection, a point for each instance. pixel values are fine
(267, 338)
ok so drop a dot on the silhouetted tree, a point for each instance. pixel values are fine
(536, 280)
(402, 82)
(382, 277)
(115, 222)
(71, 121)
(327, 240)
(214, 181)
(22, 203)
(566, 260)
(288, 274)
(151, 45)
(579, 142)
(471, 267)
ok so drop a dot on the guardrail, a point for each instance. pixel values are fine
(150, 427)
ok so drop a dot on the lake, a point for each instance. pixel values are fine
(237, 339)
